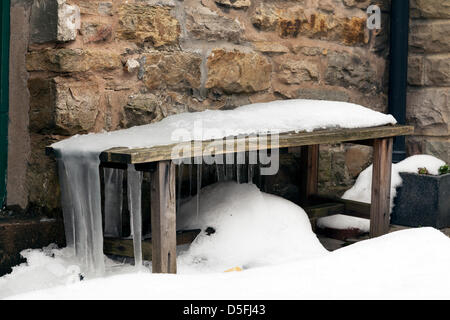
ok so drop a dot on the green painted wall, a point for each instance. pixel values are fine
(4, 89)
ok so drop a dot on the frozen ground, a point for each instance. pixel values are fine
(271, 240)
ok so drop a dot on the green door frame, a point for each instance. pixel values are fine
(4, 95)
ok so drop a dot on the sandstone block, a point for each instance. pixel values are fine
(439, 9)
(350, 70)
(416, 70)
(204, 24)
(428, 109)
(429, 36)
(54, 21)
(235, 71)
(72, 60)
(357, 158)
(270, 47)
(292, 71)
(437, 70)
(293, 21)
(148, 108)
(144, 23)
(63, 106)
(95, 32)
(177, 70)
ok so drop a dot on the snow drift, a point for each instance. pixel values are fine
(409, 264)
(362, 190)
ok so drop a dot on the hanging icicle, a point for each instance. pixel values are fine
(199, 186)
(113, 179)
(134, 180)
(80, 182)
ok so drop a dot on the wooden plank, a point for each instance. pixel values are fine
(286, 140)
(381, 187)
(124, 247)
(309, 171)
(323, 210)
(351, 208)
(357, 209)
(163, 218)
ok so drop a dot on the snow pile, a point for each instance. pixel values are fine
(48, 267)
(343, 222)
(251, 228)
(409, 264)
(277, 116)
(362, 190)
(51, 267)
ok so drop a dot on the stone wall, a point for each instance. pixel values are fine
(429, 78)
(106, 65)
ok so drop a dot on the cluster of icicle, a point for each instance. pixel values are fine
(82, 204)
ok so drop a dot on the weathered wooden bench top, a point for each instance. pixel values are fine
(251, 143)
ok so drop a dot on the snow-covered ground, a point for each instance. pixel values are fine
(411, 264)
(271, 240)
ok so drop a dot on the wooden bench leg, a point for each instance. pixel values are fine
(309, 170)
(163, 210)
(381, 187)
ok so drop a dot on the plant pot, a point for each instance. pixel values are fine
(422, 201)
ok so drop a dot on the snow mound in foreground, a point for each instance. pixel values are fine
(409, 264)
(252, 228)
(362, 190)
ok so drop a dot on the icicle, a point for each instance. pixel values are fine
(229, 172)
(199, 186)
(113, 202)
(250, 173)
(238, 173)
(220, 170)
(190, 179)
(67, 207)
(240, 160)
(82, 182)
(134, 203)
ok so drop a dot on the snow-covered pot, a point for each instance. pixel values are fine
(422, 200)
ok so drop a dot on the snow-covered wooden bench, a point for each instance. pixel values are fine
(160, 162)
(303, 124)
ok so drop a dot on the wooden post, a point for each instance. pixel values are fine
(309, 168)
(381, 187)
(163, 210)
